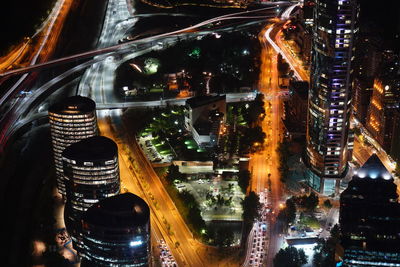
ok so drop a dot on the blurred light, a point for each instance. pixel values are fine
(373, 175)
(362, 175)
(135, 243)
(387, 176)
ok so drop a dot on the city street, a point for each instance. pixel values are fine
(264, 165)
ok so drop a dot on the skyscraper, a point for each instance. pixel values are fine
(116, 232)
(334, 30)
(91, 174)
(369, 218)
(385, 102)
(71, 120)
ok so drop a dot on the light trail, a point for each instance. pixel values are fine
(279, 51)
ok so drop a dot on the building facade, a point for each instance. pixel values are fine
(385, 102)
(116, 232)
(329, 106)
(370, 218)
(204, 116)
(362, 93)
(295, 108)
(71, 120)
(91, 174)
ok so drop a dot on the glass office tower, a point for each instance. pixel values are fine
(335, 28)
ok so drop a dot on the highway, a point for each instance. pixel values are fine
(166, 220)
(42, 48)
(22, 106)
(238, 15)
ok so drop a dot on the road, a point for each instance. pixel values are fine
(42, 42)
(264, 164)
(291, 58)
(21, 106)
(186, 252)
(128, 45)
(144, 182)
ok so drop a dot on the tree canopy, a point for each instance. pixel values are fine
(251, 207)
(290, 257)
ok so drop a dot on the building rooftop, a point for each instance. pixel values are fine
(96, 148)
(203, 127)
(199, 101)
(373, 168)
(120, 211)
(373, 182)
(73, 105)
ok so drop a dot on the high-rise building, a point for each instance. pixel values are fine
(116, 232)
(369, 218)
(295, 109)
(395, 145)
(334, 30)
(71, 120)
(91, 174)
(362, 92)
(385, 102)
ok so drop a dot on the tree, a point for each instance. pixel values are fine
(250, 137)
(311, 202)
(252, 114)
(244, 180)
(251, 207)
(324, 252)
(284, 154)
(397, 170)
(327, 204)
(173, 173)
(288, 214)
(290, 257)
(224, 237)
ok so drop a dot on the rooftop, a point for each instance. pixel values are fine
(96, 148)
(120, 211)
(373, 168)
(73, 105)
(199, 101)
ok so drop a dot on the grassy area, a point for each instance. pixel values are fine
(310, 221)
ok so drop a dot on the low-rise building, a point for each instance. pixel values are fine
(203, 118)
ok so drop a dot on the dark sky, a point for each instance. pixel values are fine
(386, 15)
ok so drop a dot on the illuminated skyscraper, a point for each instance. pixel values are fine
(71, 120)
(369, 218)
(91, 174)
(385, 102)
(335, 27)
(116, 232)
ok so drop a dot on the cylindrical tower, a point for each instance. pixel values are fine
(91, 174)
(116, 232)
(71, 120)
